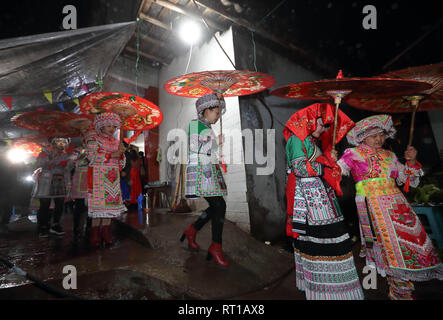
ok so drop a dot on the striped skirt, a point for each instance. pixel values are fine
(324, 263)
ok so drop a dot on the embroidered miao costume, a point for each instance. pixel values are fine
(204, 177)
(324, 263)
(81, 163)
(53, 176)
(104, 199)
(392, 237)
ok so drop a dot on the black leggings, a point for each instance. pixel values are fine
(215, 213)
(79, 215)
(43, 212)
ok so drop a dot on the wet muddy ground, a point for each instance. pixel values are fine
(149, 263)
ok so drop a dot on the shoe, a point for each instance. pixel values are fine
(57, 230)
(190, 234)
(106, 235)
(94, 238)
(43, 233)
(215, 251)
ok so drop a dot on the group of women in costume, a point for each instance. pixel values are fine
(392, 238)
(96, 179)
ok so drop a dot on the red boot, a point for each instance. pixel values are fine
(94, 237)
(106, 235)
(215, 251)
(190, 233)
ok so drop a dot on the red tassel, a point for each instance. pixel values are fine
(406, 187)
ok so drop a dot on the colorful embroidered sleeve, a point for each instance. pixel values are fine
(406, 171)
(297, 159)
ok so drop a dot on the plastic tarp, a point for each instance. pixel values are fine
(65, 65)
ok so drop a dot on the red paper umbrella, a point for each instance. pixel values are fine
(38, 120)
(350, 87)
(136, 113)
(73, 125)
(32, 145)
(230, 83)
(431, 99)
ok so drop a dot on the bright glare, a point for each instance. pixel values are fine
(17, 155)
(29, 178)
(189, 32)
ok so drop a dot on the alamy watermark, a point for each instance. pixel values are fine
(232, 150)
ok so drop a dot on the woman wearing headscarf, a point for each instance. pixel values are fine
(324, 263)
(204, 178)
(392, 237)
(106, 160)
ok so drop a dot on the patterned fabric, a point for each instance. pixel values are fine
(364, 162)
(104, 193)
(370, 126)
(106, 119)
(393, 238)
(304, 122)
(53, 176)
(80, 177)
(208, 101)
(322, 247)
(400, 289)
(204, 177)
(327, 278)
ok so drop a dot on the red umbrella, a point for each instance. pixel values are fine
(32, 145)
(228, 83)
(350, 87)
(431, 99)
(37, 120)
(136, 113)
(54, 123)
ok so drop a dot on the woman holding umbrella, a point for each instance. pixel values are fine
(324, 263)
(204, 177)
(106, 159)
(392, 237)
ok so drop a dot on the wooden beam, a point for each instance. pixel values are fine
(154, 41)
(185, 11)
(147, 55)
(142, 6)
(155, 22)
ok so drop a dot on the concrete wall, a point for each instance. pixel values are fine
(178, 111)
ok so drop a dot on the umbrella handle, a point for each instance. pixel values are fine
(221, 148)
(337, 101)
(411, 130)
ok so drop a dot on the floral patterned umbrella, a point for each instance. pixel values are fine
(37, 120)
(32, 145)
(136, 113)
(230, 83)
(431, 99)
(54, 123)
(350, 87)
